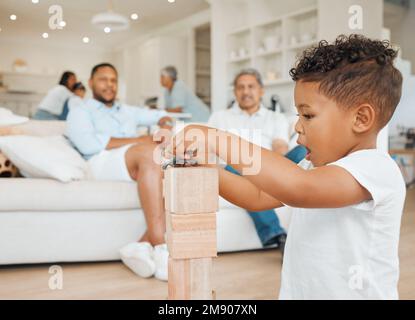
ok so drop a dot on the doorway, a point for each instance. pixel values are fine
(203, 63)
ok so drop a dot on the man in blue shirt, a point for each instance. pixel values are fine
(105, 133)
(180, 99)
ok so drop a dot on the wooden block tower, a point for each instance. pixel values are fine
(191, 202)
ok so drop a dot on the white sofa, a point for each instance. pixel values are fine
(46, 221)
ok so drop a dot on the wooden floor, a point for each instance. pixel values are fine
(248, 275)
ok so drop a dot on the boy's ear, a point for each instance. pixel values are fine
(364, 118)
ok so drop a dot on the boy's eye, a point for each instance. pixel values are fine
(305, 116)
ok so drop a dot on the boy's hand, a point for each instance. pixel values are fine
(194, 142)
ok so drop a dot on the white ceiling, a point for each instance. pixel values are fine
(32, 19)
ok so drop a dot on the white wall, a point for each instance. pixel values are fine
(404, 114)
(45, 58)
(402, 26)
(46, 62)
(140, 59)
(134, 60)
(334, 18)
(228, 15)
(140, 66)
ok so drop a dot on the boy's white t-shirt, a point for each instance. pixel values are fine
(349, 252)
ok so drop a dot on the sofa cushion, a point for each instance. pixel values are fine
(8, 118)
(45, 157)
(42, 128)
(22, 194)
(49, 195)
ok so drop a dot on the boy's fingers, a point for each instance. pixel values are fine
(168, 151)
(177, 147)
(167, 154)
(179, 150)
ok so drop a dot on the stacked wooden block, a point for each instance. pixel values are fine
(191, 202)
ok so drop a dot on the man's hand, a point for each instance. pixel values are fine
(166, 123)
(175, 110)
(120, 142)
(144, 139)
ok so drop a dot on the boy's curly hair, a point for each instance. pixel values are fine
(354, 70)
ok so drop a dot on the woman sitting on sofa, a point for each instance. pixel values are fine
(52, 106)
(79, 91)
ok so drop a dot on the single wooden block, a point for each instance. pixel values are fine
(191, 236)
(191, 190)
(191, 222)
(190, 279)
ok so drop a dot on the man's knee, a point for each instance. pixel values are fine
(142, 153)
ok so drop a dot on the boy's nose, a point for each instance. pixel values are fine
(298, 127)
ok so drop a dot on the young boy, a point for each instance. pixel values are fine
(347, 196)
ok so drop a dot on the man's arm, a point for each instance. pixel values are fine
(120, 142)
(147, 117)
(175, 110)
(178, 99)
(80, 130)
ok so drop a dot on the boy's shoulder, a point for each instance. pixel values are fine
(375, 170)
(371, 162)
(378, 173)
(370, 159)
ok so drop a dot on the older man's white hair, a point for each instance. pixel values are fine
(170, 72)
(249, 72)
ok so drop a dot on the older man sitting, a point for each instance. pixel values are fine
(249, 114)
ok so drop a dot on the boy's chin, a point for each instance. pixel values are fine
(318, 162)
(315, 161)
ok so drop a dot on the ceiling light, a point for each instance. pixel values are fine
(107, 29)
(62, 24)
(35, 1)
(171, 1)
(85, 39)
(134, 16)
(114, 20)
(13, 17)
(45, 35)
